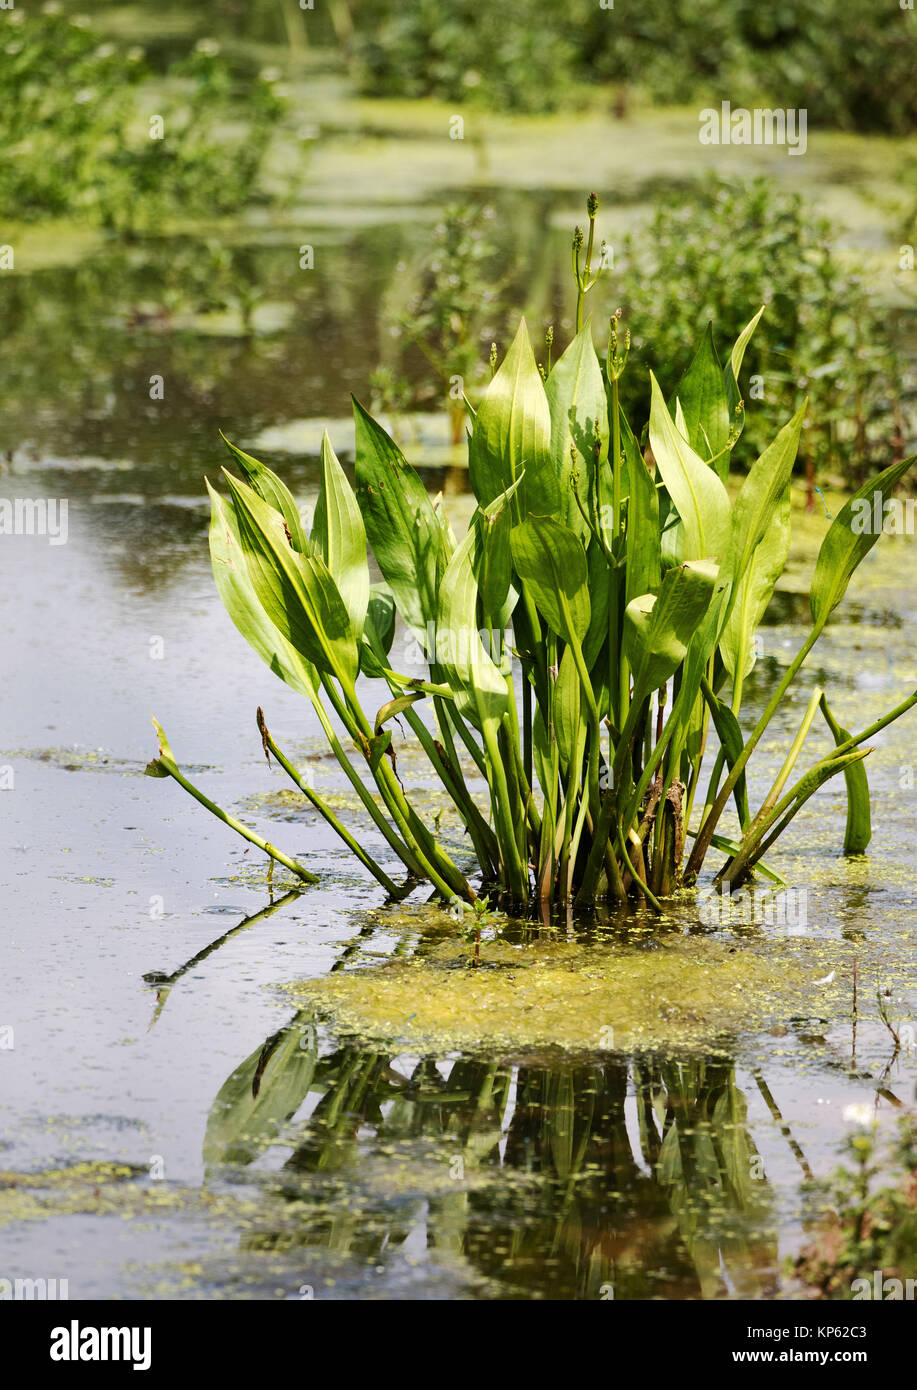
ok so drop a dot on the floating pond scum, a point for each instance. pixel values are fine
(598, 616)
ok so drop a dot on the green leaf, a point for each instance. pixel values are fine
(602, 584)
(274, 491)
(378, 747)
(734, 365)
(404, 531)
(544, 757)
(512, 432)
(478, 687)
(644, 555)
(702, 393)
(695, 489)
(378, 631)
(339, 534)
(846, 544)
(657, 630)
(859, 812)
(235, 588)
(566, 707)
(492, 561)
(762, 494)
(579, 424)
(395, 707)
(752, 593)
(550, 560)
(260, 1096)
(296, 591)
(730, 737)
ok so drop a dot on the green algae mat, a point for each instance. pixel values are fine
(684, 991)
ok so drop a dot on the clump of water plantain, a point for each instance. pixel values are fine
(579, 644)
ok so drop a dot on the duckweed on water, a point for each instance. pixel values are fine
(685, 992)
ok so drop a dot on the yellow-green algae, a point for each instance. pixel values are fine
(108, 1189)
(682, 991)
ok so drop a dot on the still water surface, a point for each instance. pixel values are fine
(264, 1156)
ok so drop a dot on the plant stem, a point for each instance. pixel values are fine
(702, 843)
(171, 770)
(365, 858)
(789, 762)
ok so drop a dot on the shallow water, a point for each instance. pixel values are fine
(265, 1154)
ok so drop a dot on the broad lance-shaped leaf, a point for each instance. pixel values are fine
(761, 496)
(846, 544)
(702, 393)
(296, 591)
(759, 538)
(859, 812)
(259, 1097)
(694, 487)
(491, 559)
(579, 424)
(378, 631)
(644, 556)
(404, 532)
(340, 536)
(657, 629)
(567, 708)
(550, 560)
(753, 592)
(602, 585)
(512, 432)
(734, 366)
(243, 606)
(274, 491)
(730, 737)
(478, 687)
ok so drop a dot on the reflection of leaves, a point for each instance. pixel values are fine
(261, 1095)
(735, 1145)
(706, 1165)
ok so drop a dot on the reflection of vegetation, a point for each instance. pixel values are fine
(567, 1180)
(261, 1095)
(162, 980)
(518, 57)
(81, 343)
(823, 333)
(454, 306)
(849, 65)
(870, 1227)
(81, 140)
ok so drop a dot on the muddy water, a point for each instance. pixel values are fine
(173, 1121)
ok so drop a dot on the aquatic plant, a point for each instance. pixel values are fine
(92, 133)
(848, 66)
(863, 1246)
(574, 649)
(456, 299)
(728, 243)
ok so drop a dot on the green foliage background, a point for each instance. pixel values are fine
(848, 64)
